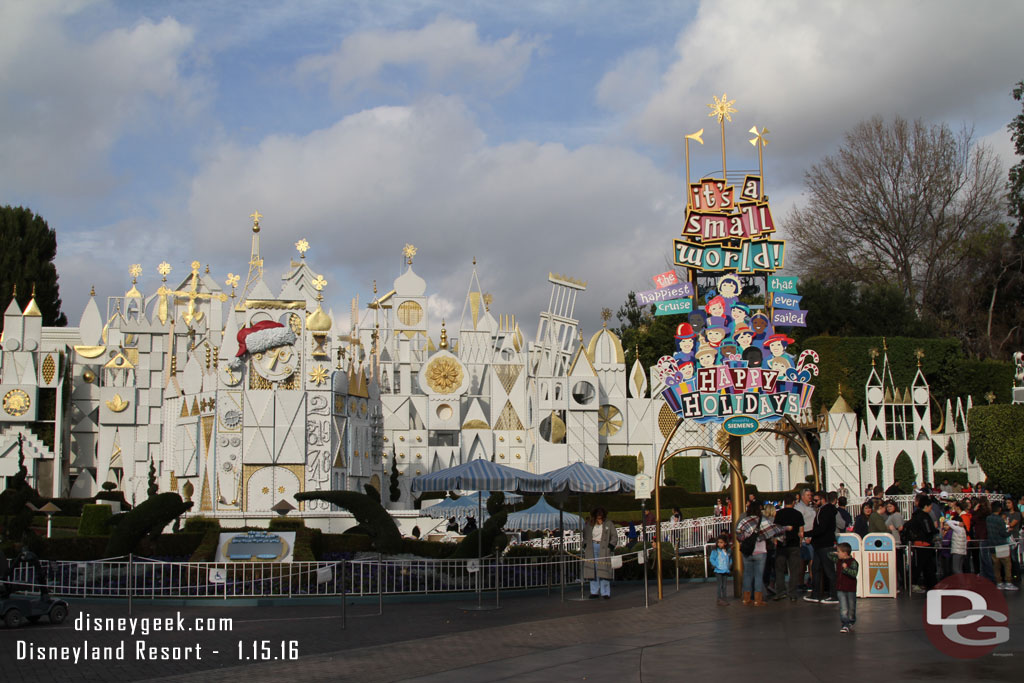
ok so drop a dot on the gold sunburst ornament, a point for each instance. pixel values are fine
(135, 271)
(164, 269)
(409, 251)
(319, 282)
(722, 108)
(444, 375)
(318, 375)
(17, 402)
(302, 246)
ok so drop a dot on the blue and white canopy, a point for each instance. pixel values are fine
(542, 517)
(466, 506)
(582, 478)
(481, 475)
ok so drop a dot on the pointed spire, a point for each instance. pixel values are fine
(32, 310)
(443, 345)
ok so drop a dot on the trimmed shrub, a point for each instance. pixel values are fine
(206, 551)
(95, 520)
(199, 524)
(626, 464)
(903, 469)
(997, 432)
(149, 517)
(431, 549)
(342, 543)
(955, 477)
(369, 514)
(685, 472)
(286, 524)
(81, 548)
(492, 539)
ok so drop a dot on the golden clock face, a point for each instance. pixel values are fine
(444, 375)
(275, 364)
(16, 402)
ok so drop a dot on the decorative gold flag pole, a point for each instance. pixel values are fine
(692, 136)
(759, 140)
(722, 108)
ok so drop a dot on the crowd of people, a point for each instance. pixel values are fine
(793, 550)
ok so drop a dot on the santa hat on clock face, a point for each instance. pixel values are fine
(261, 336)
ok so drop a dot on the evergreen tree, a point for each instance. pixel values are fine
(394, 489)
(26, 261)
(153, 485)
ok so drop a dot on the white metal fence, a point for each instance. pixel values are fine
(688, 534)
(144, 578)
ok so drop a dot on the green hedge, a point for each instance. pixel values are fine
(94, 521)
(949, 374)
(626, 464)
(206, 551)
(685, 471)
(431, 549)
(286, 524)
(199, 524)
(492, 538)
(343, 543)
(997, 433)
(954, 476)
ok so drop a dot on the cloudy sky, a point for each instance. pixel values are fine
(535, 136)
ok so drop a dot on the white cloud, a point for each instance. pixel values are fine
(810, 71)
(362, 188)
(64, 102)
(448, 51)
(632, 80)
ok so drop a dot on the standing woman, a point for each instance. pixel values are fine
(600, 539)
(752, 531)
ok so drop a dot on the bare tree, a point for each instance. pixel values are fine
(899, 203)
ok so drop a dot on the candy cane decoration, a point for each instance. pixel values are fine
(801, 363)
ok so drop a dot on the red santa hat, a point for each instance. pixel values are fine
(263, 335)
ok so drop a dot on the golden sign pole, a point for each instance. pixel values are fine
(759, 140)
(663, 457)
(723, 110)
(686, 145)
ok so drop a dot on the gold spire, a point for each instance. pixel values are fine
(302, 246)
(32, 310)
(873, 352)
(919, 354)
(444, 337)
(409, 251)
(255, 216)
(92, 290)
(606, 315)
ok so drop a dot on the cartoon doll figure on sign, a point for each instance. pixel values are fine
(686, 343)
(715, 335)
(688, 383)
(776, 346)
(729, 287)
(744, 337)
(753, 356)
(762, 328)
(715, 311)
(707, 356)
(739, 314)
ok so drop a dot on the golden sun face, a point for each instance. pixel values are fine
(444, 375)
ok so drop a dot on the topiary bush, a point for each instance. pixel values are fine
(199, 524)
(95, 520)
(286, 524)
(997, 432)
(685, 472)
(148, 517)
(954, 476)
(369, 514)
(493, 538)
(626, 464)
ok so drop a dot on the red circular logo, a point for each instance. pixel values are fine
(965, 616)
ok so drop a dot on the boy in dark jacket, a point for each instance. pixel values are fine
(846, 585)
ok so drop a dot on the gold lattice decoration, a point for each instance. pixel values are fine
(666, 420)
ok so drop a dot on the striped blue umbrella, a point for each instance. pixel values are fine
(465, 506)
(542, 517)
(481, 475)
(582, 478)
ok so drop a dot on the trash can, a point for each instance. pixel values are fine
(879, 568)
(857, 552)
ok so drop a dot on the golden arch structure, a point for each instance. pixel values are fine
(734, 458)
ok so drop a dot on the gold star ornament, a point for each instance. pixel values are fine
(136, 270)
(232, 280)
(318, 375)
(759, 136)
(302, 246)
(319, 282)
(164, 269)
(722, 108)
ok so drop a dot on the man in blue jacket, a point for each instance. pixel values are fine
(822, 538)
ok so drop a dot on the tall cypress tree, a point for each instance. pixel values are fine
(26, 261)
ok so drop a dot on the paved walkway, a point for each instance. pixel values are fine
(533, 638)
